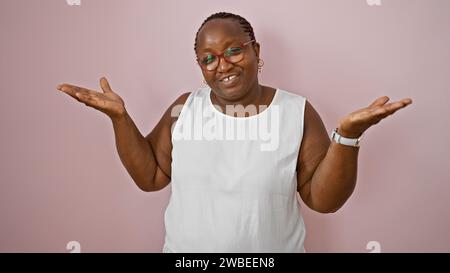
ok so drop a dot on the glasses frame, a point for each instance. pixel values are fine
(221, 55)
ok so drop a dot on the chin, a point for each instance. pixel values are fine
(232, 94)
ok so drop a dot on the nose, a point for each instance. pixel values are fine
(224, 65)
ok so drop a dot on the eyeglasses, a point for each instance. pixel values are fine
(232, 55)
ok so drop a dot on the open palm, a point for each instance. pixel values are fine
(354, 124)
(107, 101)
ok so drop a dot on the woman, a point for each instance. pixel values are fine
(235, 194)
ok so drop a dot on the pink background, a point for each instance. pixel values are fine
(62, 180)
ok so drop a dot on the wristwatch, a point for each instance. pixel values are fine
(344, 140)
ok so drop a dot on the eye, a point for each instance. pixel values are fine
(233, 51)
(208, 59)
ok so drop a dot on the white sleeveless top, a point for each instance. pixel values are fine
(234, 180)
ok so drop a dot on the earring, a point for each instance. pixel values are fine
(260, 64)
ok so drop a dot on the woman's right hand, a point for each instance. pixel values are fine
(107, 101)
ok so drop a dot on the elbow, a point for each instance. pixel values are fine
(147, 189)
(150, 186)
(148, 183)
(146, 186)
(321, 207)
(326, 209)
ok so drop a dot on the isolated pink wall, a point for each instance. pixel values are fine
(62, 180)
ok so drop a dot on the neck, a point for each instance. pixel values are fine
(252, 97)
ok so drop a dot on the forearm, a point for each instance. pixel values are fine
(134, 152)
(335, 178)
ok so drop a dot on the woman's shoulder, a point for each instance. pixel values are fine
(185, 99)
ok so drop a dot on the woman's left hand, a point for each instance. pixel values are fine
(356, 123)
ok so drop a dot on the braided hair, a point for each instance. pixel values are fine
(245, 25)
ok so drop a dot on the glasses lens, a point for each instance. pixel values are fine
(212, 66)
(235, 58)
(208, 62)
(234, 54)
(233, 51)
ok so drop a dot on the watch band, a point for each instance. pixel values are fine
(354, 142)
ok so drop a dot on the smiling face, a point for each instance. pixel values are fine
(230, 81)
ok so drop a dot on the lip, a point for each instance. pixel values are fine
(231, 82)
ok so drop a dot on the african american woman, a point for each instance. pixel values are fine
(236, 152)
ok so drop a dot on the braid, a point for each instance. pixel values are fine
(225, 15)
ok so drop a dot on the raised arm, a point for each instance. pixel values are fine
(327, 171)
(147, 159)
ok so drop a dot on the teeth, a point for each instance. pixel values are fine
(229, 78)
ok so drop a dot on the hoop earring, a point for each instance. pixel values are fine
(260, 64)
